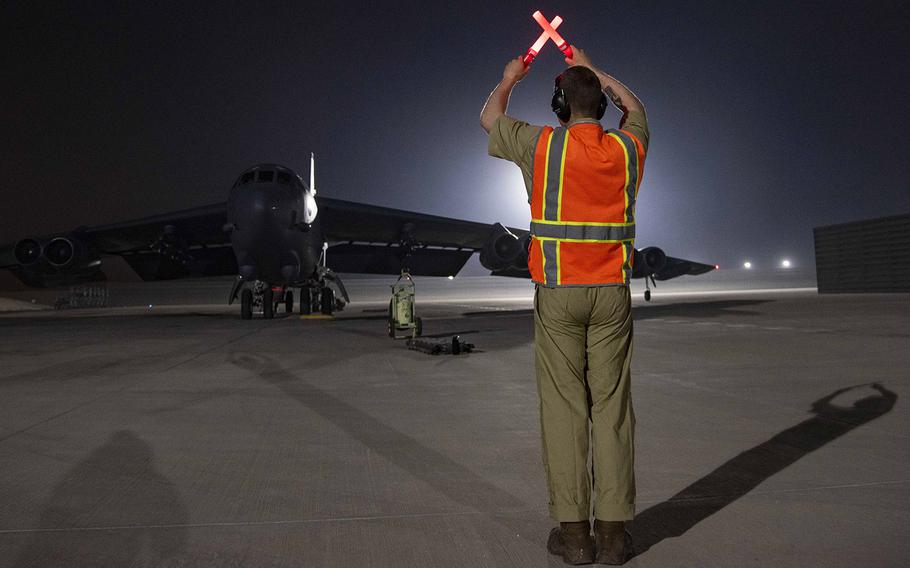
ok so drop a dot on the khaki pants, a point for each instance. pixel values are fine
(583, 349)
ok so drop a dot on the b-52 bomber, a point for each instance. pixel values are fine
(274, 235)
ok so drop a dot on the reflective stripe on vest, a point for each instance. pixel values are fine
(550, 231)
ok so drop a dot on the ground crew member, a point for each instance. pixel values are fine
(582, 184)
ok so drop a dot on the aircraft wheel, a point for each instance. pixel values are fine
(246, 305)
(268, 304)
(289, 302)
(306, 301)
(328, 301)
(647, 295)
(419, 331)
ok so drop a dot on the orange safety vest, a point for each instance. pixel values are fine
(583, 206)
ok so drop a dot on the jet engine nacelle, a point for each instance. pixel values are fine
(59, 260)
(649, 260)
(504, 250)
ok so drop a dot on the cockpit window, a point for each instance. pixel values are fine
(247, 177)
(266, 176)
(284, 177)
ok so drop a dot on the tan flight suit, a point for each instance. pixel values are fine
(583, 352)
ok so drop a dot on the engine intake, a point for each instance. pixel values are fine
(59, 252)
(503, 250)
(58, 260)
(27, 251)
(650, 260)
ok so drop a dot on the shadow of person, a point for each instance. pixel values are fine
(112, 509)
(746, 471)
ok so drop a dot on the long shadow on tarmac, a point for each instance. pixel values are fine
(117, 485)
(746, 471)
(456, 482)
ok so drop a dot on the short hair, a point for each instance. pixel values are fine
(582, 88)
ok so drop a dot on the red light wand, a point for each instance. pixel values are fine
(538, 45)
(561, 44)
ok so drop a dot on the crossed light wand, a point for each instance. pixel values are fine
(549, 32)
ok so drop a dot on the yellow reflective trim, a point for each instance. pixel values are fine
(546, 170)
(559, 266)
(542, 239)
(562, 175)
(583, 223)
(625, 187)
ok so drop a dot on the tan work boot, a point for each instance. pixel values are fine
(612, 542)
(573, 542)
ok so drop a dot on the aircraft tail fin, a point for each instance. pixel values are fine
(313, 173)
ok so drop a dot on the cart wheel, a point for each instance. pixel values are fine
(391, 322)
(268, 304)
(246, 304)
(419, 331)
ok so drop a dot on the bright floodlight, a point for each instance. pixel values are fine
(451, 277)
(785, 263)
(747, 265)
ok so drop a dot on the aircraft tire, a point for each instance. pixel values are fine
(246, 305)
(268, 304)
(289, 302)
(327, 301)
(306, 301)
(647, 295)
(419, 331)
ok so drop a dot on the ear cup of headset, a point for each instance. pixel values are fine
(560, 105)
(602, 107)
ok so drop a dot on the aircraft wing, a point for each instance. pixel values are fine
(675, 267)
(185, 243)
(372, 239)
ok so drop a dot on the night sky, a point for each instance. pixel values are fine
(767, 119)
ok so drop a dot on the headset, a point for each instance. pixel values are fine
(560, 104)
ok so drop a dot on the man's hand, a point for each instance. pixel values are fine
(498, 101)
(515, 70)
(579, 57)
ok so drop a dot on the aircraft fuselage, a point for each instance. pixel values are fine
(271, 241)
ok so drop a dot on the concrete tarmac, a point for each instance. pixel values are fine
(772, 430)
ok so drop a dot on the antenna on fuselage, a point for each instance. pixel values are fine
(313, 172)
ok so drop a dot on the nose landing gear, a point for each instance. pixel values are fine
(649, 281)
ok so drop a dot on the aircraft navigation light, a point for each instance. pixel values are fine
(538, 45)
(747, 265)
(561, 44)
(785, 263)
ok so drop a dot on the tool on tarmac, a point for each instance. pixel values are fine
(455, 346)
(402, 317)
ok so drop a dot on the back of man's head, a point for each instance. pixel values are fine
(582, 88)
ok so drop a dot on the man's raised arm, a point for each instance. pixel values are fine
(498, 101)
(621, 96)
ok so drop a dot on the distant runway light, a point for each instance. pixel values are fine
(747, 265)
(785, 263)
(451, 277)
